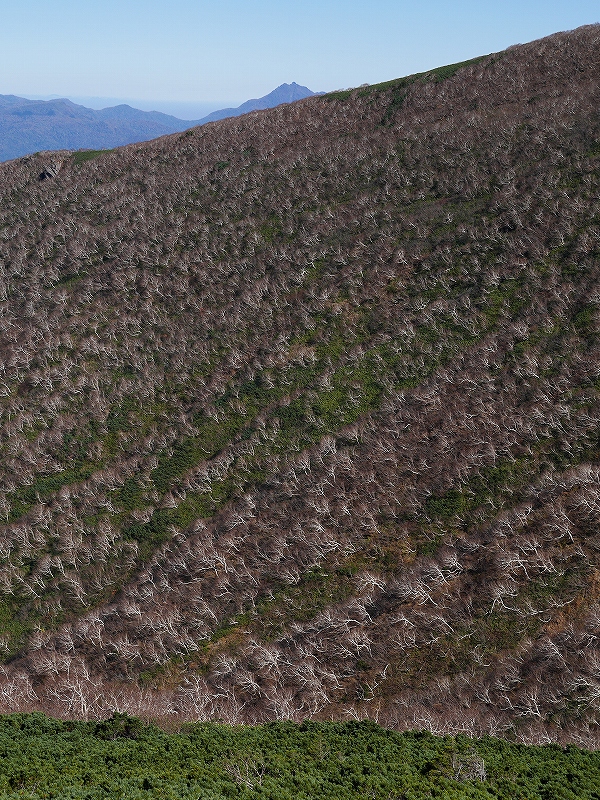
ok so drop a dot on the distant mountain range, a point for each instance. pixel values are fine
(29, 126)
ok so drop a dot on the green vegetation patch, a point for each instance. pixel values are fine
(301, 602)
(489, 486)
(73, 451)
(86, 155)
(14, 628)
(213, 436)
(24, 498)
(197, 505)
(122, 757)
(69, 278)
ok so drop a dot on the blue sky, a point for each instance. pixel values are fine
(188, 56)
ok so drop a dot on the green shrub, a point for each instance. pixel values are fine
(86, 155)
(123, 758)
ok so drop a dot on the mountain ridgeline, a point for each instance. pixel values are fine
(28, 126)
(301, 411)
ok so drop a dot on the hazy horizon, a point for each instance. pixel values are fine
(182, 110)
(184, 57)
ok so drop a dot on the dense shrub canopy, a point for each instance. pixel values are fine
(121, 758)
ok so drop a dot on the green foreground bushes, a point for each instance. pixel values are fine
(126, 759)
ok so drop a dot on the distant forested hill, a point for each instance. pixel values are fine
(29, 126)
(300, 410)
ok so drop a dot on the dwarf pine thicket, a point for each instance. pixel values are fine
(122, 758)
(300, 411)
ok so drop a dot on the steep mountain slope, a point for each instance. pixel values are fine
(28, 126)
(300, 410)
